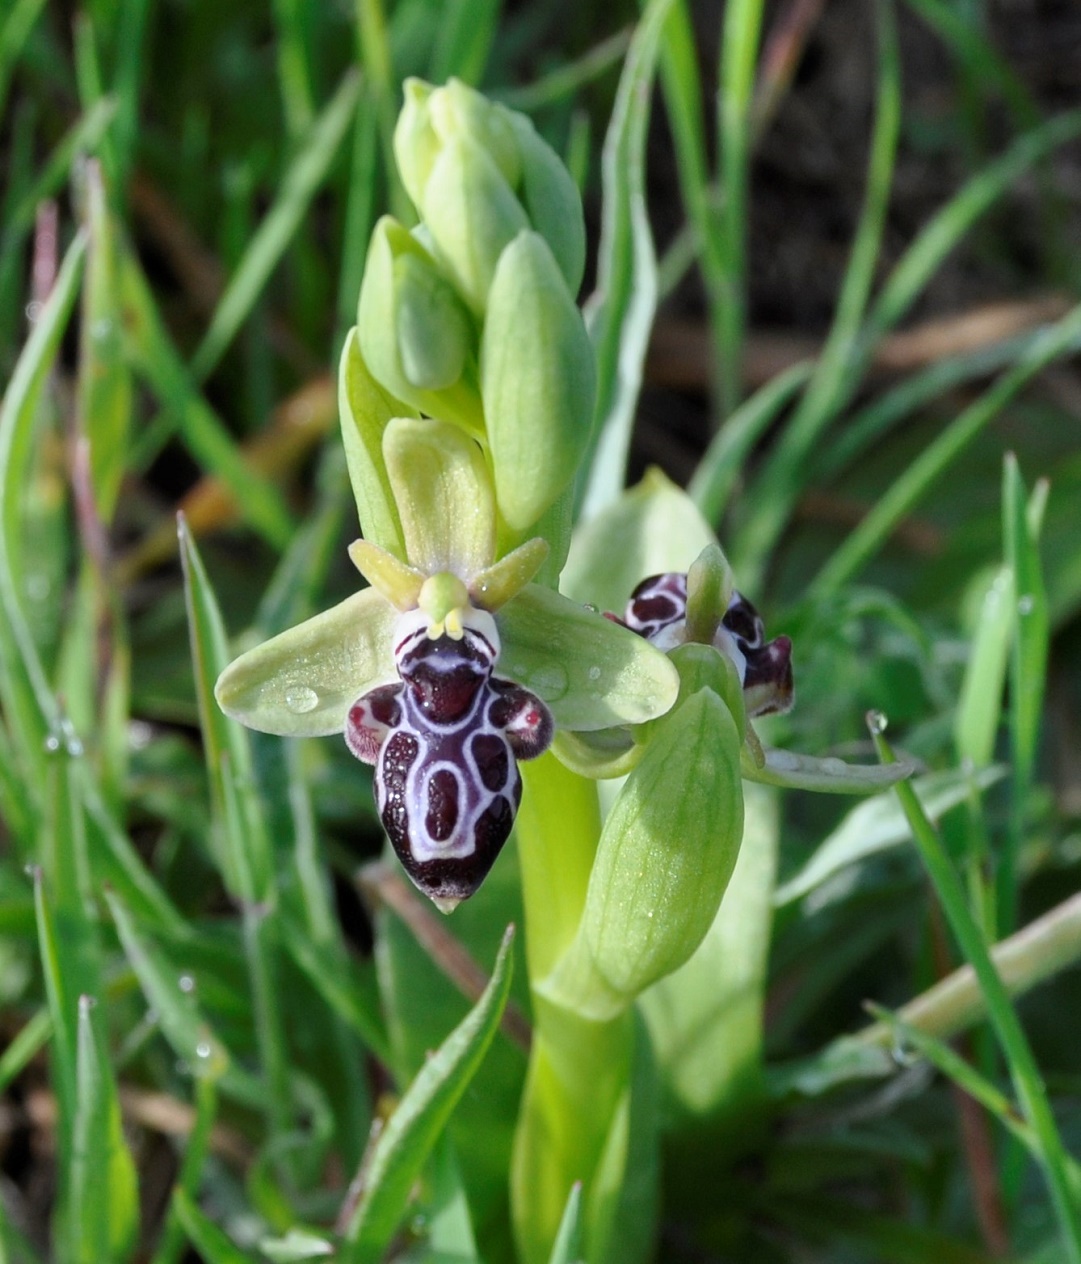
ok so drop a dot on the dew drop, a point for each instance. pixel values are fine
(877, 721)
(300, 699)
(101, 329)
(183, 1067)
(594, 673)
(1026, 604)
(203, 1050)
(75, 747)
(186, 983)
(833, 765)
(52, 744)
(33, 312)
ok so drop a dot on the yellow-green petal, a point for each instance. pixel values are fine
(444, 496)
(302, 682)
(592, 673)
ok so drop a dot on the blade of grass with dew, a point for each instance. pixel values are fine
(739, 56)
(183, 1025)
(303, 179)
(154, 357)
(1024, 1070)
(212, 1243)
(104, 391)
(568, 79)
(29, 705)
(774, 491)
(411, 1132)
(718, 471)
(464, 40)
(913, 484)
(246, 857)
(17, 25)
(104, 1209)
(620, 314)
(1021, 521)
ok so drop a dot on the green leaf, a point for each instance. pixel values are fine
(828, 774)
(706, 1019)
(591, 672)
(567, 1248)
(182, 1023)
(620, 314)
(29, 706)
(307, 172)
(295, 1246)
(412, 1131)
(104, 1214)
(652, 528)
(302, 682)
(211, 1242)
(979, 707)
(244, 847)
(105, 395)
(879, 824)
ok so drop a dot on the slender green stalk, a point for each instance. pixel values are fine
(1024, 1071)
(739, 55)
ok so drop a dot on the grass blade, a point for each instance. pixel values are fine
(412, 1131)
(620, 314)
(301, 182)
(1024, 1071)
(777, 487)
(211, 1242)
(104, 1216)
(907, 490)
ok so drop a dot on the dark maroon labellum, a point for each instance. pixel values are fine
(445, 743)
(657, 610)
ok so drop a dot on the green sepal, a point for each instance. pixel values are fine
(709, 589)
(415, 333)
(664, 859)
(652, 528)
(400, 584)
(472, 215)
(302, 682)
(416, 144)
(592, 673)
(365, 409)
(497, 584)
(552, 200)
(538, 379)
(828, 774)
(444, 496)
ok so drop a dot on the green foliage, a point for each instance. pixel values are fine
(212, 1046)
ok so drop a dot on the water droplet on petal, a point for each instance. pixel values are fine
(300, 699)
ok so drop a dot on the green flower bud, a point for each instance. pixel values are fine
(551, 201)
(538, 378)
(416, 334)
(432, 116)
(664, 859)
(471, 213)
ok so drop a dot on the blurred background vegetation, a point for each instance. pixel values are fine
(894, 215)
